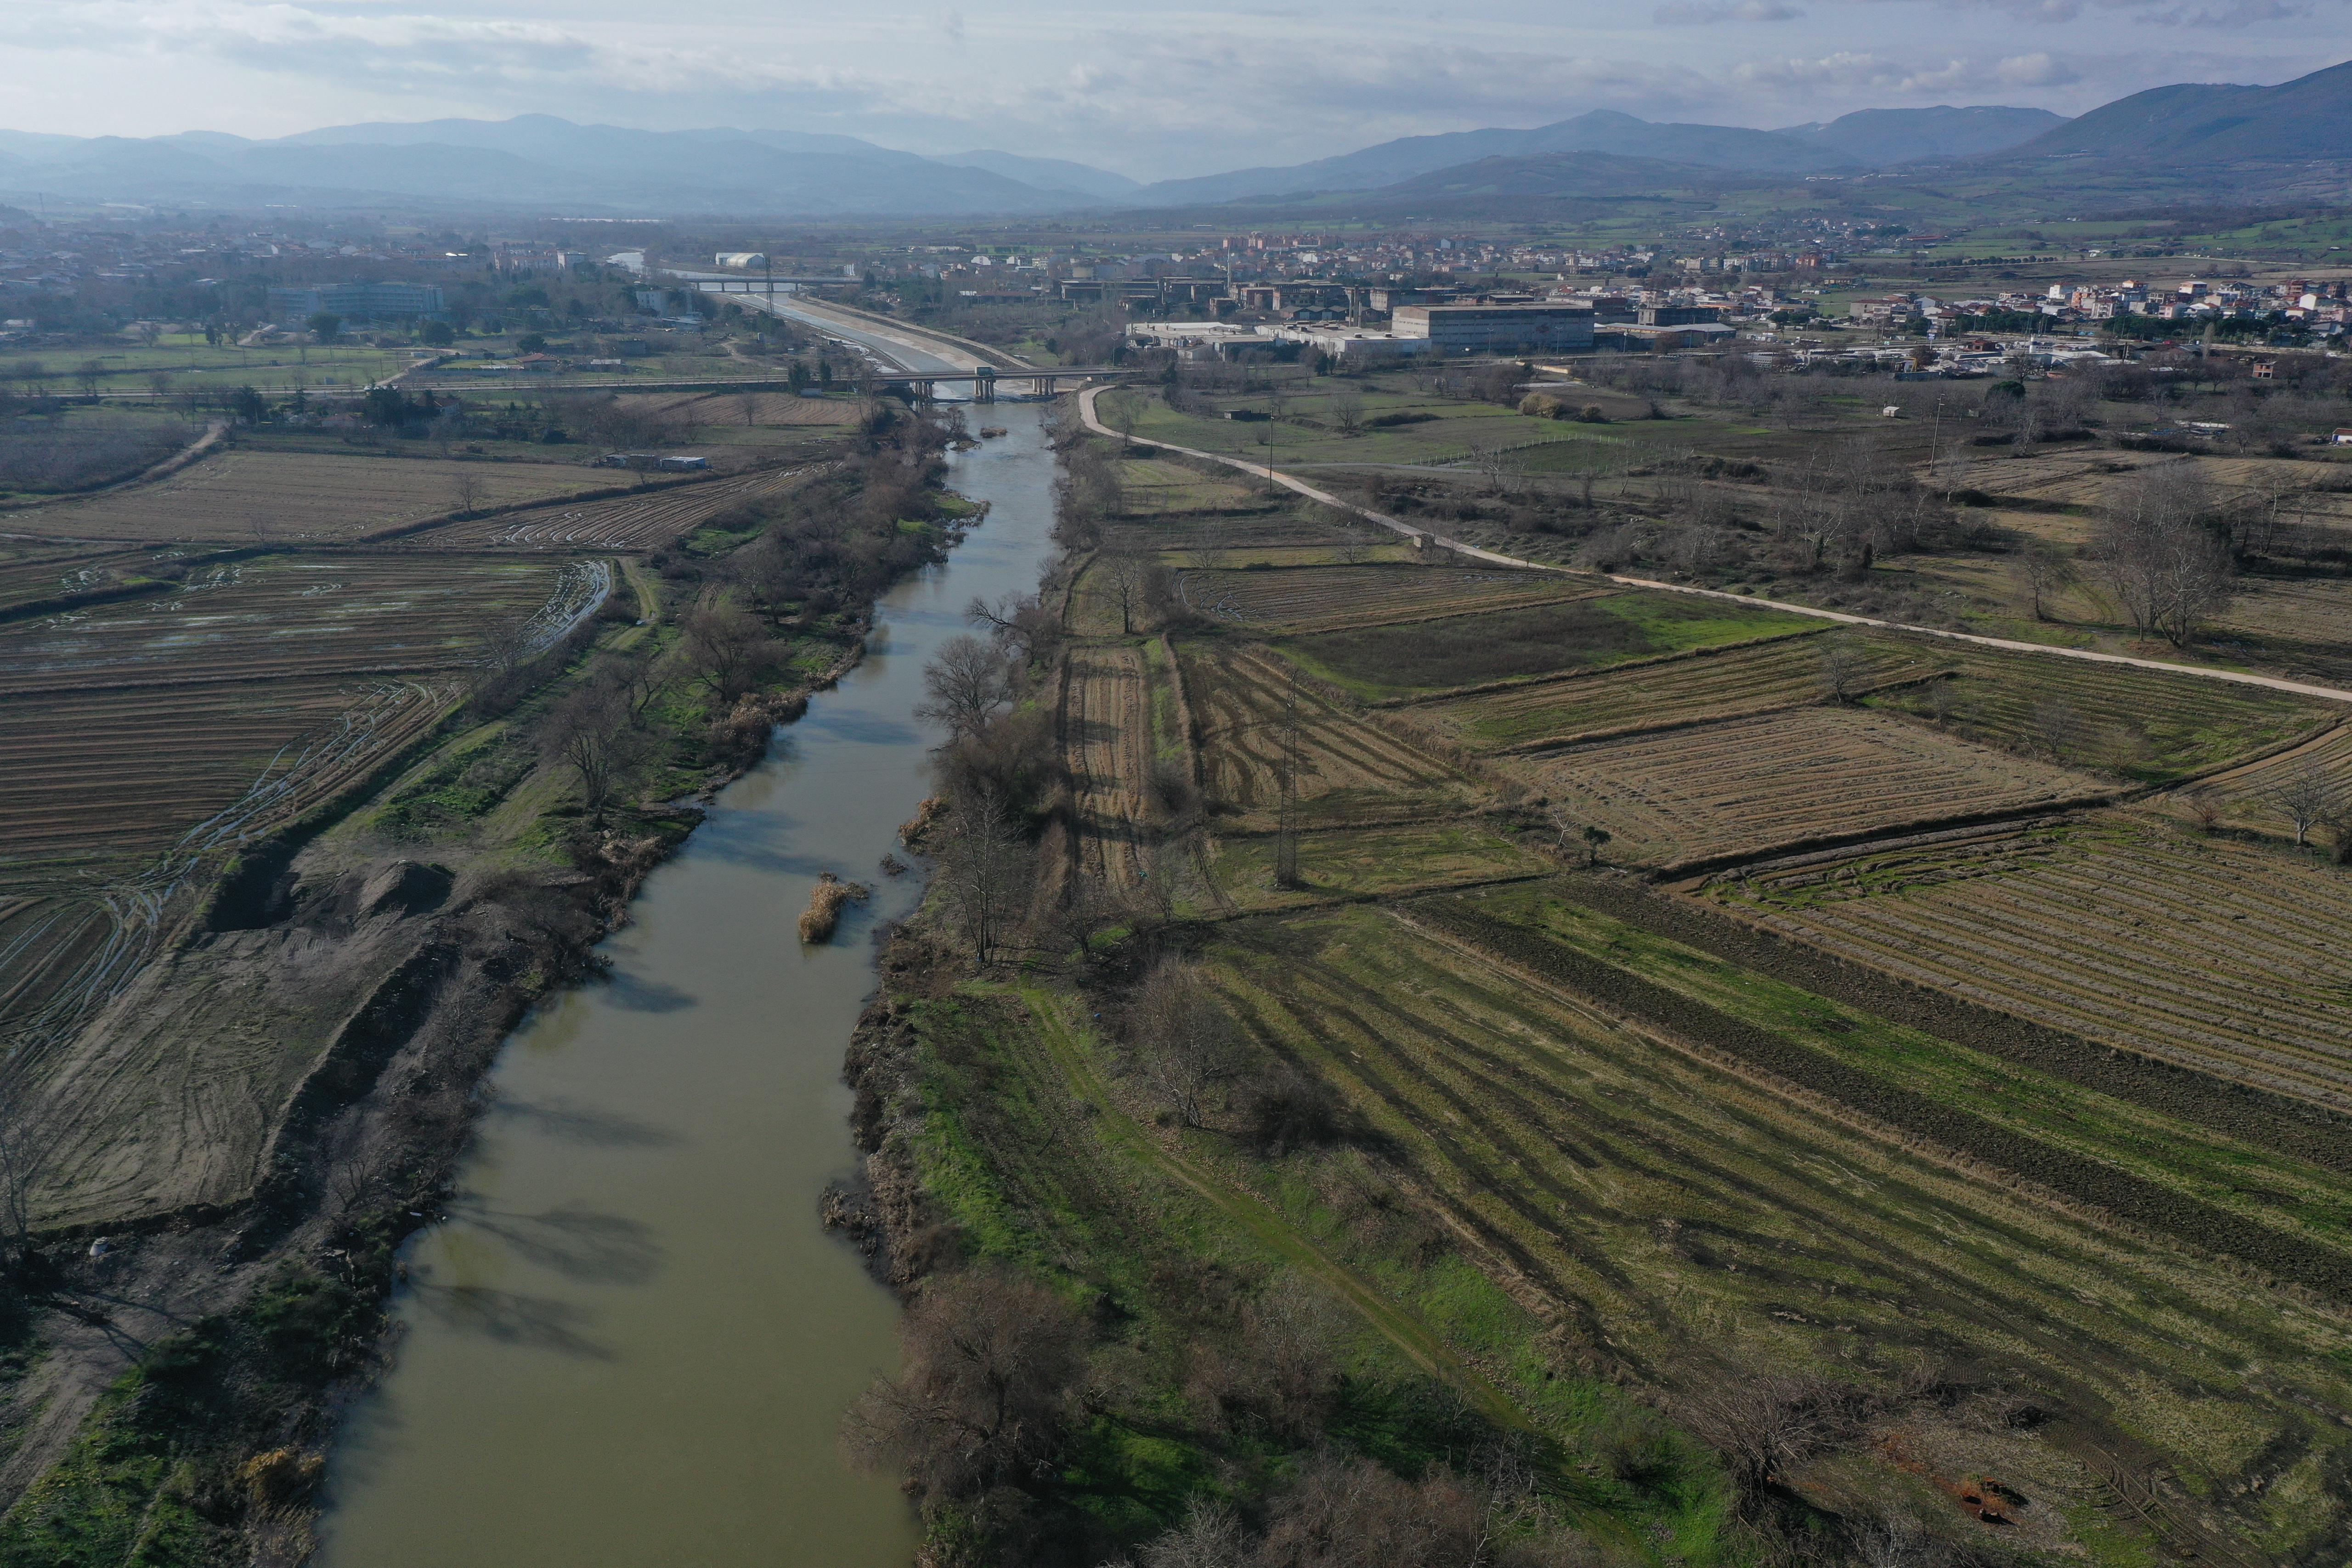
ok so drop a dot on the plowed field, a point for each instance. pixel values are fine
(1327, 598)
(1107, 735)
(1658, 1199)
(2213, 954)
(269, 498)
(2250, 796)
(621, 523)
(132, 772)
(1349, 768)
(1676, 690)
(2140, 723)
(1480, 645)
(291, 615)
(1748, 785)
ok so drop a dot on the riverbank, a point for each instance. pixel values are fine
(632, 1339)
(1228, 1313)
(497, 861)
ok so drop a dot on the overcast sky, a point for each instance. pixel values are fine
(1150, 88)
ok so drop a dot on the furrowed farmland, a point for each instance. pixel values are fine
(1748, 785)
(1378, 663)
(1759, 1003)
(135, 771)
(271, 616)
(1322, 598)
(1253, 717)
(1653, 1190)
(1679, 689)
(1107, 731)
(2144, 724)
(617, 523)
(2205, 952)
(276, 498)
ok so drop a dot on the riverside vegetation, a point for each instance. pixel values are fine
(1416, 1062)
(234, 1240)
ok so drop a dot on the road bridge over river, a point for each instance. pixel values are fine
(925, 360)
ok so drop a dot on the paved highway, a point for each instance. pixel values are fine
(897, 346)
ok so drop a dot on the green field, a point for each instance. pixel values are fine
(1409, 661)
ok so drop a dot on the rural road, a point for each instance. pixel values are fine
(2236, 678)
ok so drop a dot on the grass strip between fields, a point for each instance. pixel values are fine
(1400, 1329)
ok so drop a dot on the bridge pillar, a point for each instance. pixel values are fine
(983, 387)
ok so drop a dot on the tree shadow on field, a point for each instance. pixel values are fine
(577, 1243)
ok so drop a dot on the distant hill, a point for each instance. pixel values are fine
(1601, 131)
(531, 162)
(2310, 117)
(1884, 137)
(1049, 174)
(1543, 175)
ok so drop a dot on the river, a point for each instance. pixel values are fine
(631, 1341)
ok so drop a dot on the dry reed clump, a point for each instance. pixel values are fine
(824, 912)
(926, 817)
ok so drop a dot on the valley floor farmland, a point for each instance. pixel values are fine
(1747, 785)
(638, 522)
(2205, 952)
(1913, 1031)
(278, 497)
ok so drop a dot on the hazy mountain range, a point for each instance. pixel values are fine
(541, 164)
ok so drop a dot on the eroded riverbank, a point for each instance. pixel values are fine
(633, 1340)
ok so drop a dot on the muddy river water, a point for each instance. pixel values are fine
(631, 1343)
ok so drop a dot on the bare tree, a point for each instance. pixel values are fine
(505, 645)
(88, 375)
(1126, 578)
(1348, 410)
(2046, 571)
(1955, 472)
(1208, 1536)
(985, 872)
(1021, 624)
(2058, 727)
(748, 405)
(2306, 797)
(1845, 667)
(1494, 465)
(465, 490)
(728, 649)
(590, 732)
(964, 684)
(1180, 1039)
(2160, 554)
(992, 1365)
(637, 682)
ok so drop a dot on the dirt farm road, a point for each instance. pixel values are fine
(2240, 677)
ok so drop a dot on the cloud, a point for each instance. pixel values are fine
(1699, 13)
(2161, 13)
(1860, 72)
